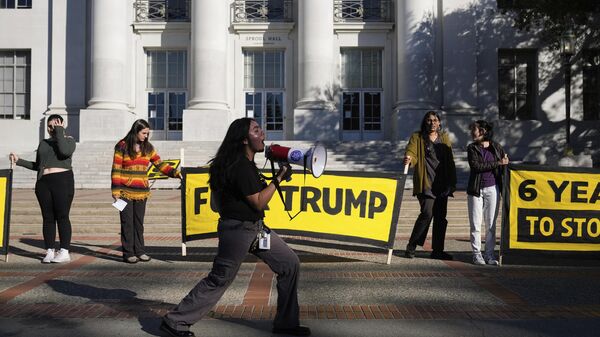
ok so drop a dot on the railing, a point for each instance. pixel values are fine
(262, 10)
(162, 10)
(362, 10)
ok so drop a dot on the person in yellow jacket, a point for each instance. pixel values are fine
(429, 151)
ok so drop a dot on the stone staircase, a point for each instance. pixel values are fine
(92, 213)
(92, 160)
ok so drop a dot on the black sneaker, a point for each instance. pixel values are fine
(175, 333)
(441, 256)
(409, 253)
(295, 331)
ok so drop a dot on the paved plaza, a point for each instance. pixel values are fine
(344, 289)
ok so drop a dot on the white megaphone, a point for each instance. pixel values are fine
(313, 159)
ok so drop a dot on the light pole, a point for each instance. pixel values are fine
(567, 47)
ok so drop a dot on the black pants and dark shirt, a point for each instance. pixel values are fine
(237, 230)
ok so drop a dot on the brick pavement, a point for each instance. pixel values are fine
(257, 296)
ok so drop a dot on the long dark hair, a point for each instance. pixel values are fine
(131, 139)
(424, 130)
(230, 152)
(487, 127)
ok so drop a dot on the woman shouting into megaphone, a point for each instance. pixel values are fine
(242, 197)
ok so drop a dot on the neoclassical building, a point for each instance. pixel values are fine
(356, 70)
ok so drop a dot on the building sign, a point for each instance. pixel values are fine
(551, 209)
(347, 206)
(263, 39)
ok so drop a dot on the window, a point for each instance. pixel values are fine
(162, 10)
(167, 69)
(264, 87)
(166, 82)
(591, 84)
(15, 4)
(15, 84)
(362, 89)
(362, 10)
(262, 10)
(516, 83)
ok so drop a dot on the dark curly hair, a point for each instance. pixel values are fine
(424, 128)
(230, 152)
(486, 127)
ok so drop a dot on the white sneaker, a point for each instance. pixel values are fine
(49, 256)
(62, 256)
(478, 260)
(492, 262)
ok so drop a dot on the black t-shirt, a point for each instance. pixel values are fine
(245, 181)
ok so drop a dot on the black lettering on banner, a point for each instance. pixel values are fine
(198, 200)
(527, 193)
(344, 198)
(576, 191)
(558, 190)
(356, 202)
(288, 196)
(595, 195)
(339, 198)
(305, 200)
(558, 226)
(373, 207)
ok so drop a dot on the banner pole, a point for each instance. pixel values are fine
(181, 153)
(389, 257)
(183, 249)
(406, 169)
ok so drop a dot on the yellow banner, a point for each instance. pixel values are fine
(3, 224)
(154, 173)
(364, 207)
(557, 211)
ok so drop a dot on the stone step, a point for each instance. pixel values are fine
(92, 160)
(92, 213)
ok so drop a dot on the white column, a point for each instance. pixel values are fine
(107, 116)
(315, 116)
(460, 58)
(58, 58)
(416, 59)
(207, 115)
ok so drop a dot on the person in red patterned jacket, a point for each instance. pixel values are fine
(133, 156)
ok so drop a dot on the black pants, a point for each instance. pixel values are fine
(235, 239)
(435, 209)
(132, 228)
(55, 193)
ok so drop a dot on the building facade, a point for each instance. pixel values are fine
(356, 70)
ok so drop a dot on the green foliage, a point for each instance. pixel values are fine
(550, 19)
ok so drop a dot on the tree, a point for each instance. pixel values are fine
(551, 19)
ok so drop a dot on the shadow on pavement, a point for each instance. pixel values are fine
(75, 248)
(121, 300)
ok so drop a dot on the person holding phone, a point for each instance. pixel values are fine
(54, 187)
(129, 182)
